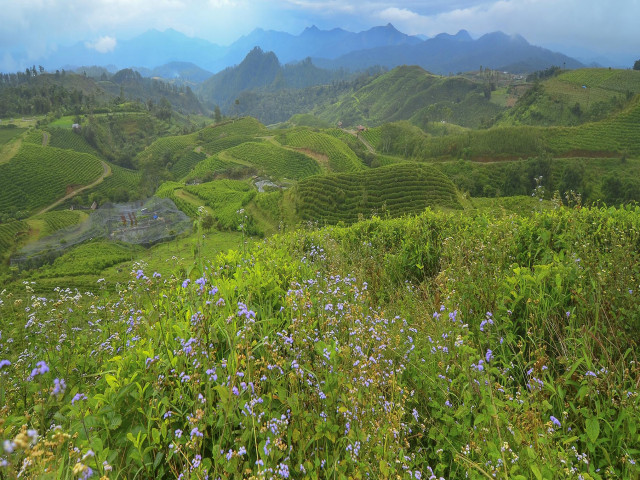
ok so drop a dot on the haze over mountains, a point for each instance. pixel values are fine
(336, 48)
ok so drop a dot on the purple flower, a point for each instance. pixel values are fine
(41, 369)
(78, 397)
(86, 473)
(185, 284)
(4, 363)
(139, 274)
(196, 433)
(59, 386)
(489, 355)
(479, 366)
(555, 421)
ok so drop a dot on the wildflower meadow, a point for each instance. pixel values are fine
(446, 345)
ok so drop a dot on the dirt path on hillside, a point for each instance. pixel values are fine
(106, 171)
(45, 139)
(9, 150)
(359, 137)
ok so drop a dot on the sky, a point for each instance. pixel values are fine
(31, 29)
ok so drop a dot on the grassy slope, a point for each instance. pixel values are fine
(411, 93)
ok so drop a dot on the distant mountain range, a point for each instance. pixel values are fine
(446, 54)
(187, 59)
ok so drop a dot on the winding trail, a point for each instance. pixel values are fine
(361, 138)
(106, 171)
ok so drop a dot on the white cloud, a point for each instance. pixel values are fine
(394, 14)
(103, 44)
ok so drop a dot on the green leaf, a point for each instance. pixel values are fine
(111, 381)
(384, 468)
(593, 428)
(536, 472)
(157, 460)
(114, 421)
(531, 454)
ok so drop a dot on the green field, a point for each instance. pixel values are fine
(225, 198)
(66, 138)
(331, 153)
(37, 176)
(8, 134)
(10, 234)
(275, 161)
(395, 190)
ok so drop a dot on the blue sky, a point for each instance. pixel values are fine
(33, 28)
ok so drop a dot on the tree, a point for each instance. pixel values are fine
(217, 115)
(636, 65)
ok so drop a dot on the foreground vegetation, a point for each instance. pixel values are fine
(445, 344)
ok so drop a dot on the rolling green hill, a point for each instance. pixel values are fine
(274, 161)
(574, 97)
(394, 190)
(37, 176)
(330, 152)
(66, 138)
(615, 135)
(410, 93)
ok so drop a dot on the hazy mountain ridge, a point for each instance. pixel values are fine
(446, 54)
(263, 71)
(336, 48)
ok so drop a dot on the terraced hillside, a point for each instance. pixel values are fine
(214, 166)
(393, 190)
(165, 149)
(225, 198)
(66, 138)
(38, 176)
(274, 161)
(616, 135)
(330, 152)
(574, 97)
(239, 126)
(9, 234)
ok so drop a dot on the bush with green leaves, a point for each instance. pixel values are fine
(445, 345)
